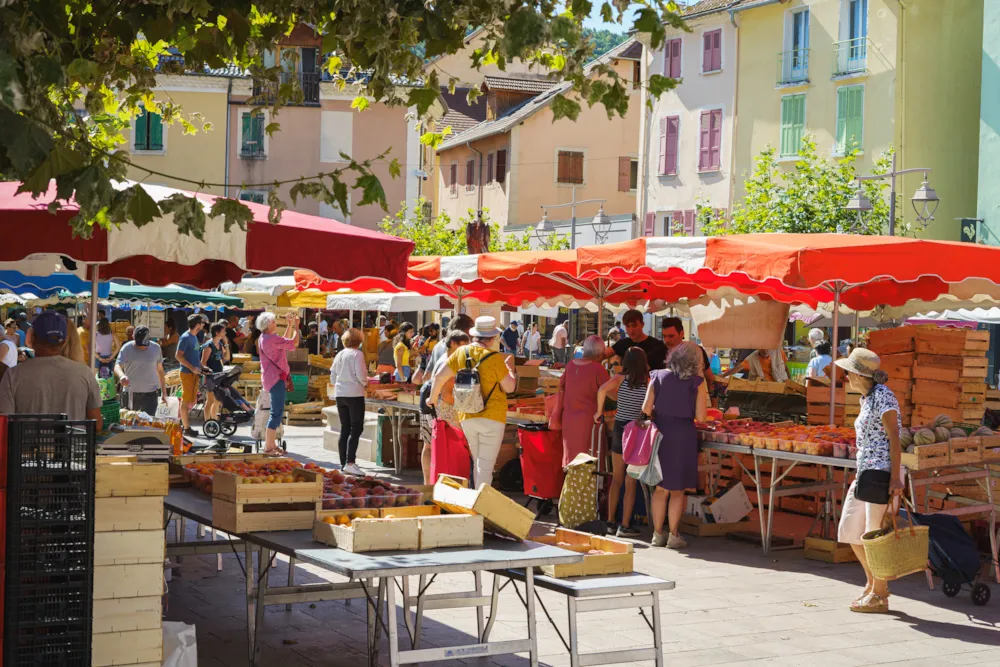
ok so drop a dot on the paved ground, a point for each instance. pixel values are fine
(732, 606)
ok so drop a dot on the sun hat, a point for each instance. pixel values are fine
(485, 327)
(50, 327)
(862, 362)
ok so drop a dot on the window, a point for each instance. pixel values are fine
(681, 224)
(570, 167)
(336, 135)
(636, 75)
(857, 33)
(453, 179)
(793, 120)
(252, 135)
(850, 118)
(672, 58)
(501, 165)
(710, 153)
(255, 196)
(799, 57)
(470, 175)
(633, 174)
(711, 51)
(669, 127)
(628, 174)
(489, 167)
(148, 132)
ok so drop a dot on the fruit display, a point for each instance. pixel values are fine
(342, 491)
(941, 430)
(274, 471)
(836, 441)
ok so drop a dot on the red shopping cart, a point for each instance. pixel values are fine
(541, 465)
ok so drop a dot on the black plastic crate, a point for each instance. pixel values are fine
(45, 446)
(43, 548)
(56, 649)
(67, 600)
(51, 501)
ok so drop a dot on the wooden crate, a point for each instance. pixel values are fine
(898, 366)
(892, 341)
(411, 511)
(822, 420)
(821, 395)
(991, 447)
(900, 388)
(500, 513)
(244, 508)
(131, 479)
(965, 450)
(947, 394)
(692, 525)
(964, 414)
(351, 513)
(127, 614)
(824, 409)
(231, 488)
(952, 342)
(127, 648)
(128, 581)
(739, 384)
(617, 558)
(927, 456)
(450, 530)
(365, 535)
(828, 551)
(137, 513)
(133, 547)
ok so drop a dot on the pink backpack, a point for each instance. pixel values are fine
(637, 443)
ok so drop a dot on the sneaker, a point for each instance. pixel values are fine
(611, 527)
(191, 433)
(676, 542)
(627, 531)
(659, 540)
(353, 469)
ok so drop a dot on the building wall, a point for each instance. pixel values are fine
(200, 157)
(696, 93)
(988, 201)
(495, 195)
(459, 65)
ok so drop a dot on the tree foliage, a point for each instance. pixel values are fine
(75, 73)
(438, 235)
(810, 198)
(604, 40)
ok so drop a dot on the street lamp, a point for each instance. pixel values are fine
(602, 222)
(925, 200)
(602, 226)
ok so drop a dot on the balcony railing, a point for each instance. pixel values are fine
(850, 56)
(267, 91)
(793, 66)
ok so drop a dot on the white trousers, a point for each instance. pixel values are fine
(484, 437)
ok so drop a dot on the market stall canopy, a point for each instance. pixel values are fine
(401, 302)
(171, 295)
(49, 285)
(158, 254)
(963, 315)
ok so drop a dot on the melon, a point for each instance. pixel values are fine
(941, 434)
(982, 430)
(905, 437)
(943, 421)
(958, 433)
(924, 436)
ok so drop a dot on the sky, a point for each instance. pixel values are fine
(594, 21)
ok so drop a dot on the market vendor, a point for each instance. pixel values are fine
(139, 369)
(768, 365)
(656, 350)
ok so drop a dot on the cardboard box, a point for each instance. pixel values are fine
(696, 506)
(732, 505)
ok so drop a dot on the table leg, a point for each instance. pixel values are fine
(993, 523)
(493, 609)
(291, 578)
(478, 577)
(407, 604)
(181, 534)
(418, 622)
(374, 614)
(390, 608)
(218, 556)
(657, 637)
(255, 606)
(760, 501)
(770, 503)
(574, 646)
(529, 597)
(397, 441)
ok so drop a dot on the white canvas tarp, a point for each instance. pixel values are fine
(401, 302)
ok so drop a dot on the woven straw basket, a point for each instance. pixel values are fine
(895, 553)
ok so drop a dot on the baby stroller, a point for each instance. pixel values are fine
(235, 409)
(953, 556)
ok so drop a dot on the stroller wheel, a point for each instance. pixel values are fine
(980, 594)
(212, 429)
(950, 589)
(228, 429)
(545, 507)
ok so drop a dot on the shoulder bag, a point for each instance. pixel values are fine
(285, 377)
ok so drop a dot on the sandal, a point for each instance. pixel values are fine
(871, 604)
(275, 453)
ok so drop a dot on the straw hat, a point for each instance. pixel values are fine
(862, 362)
(485, 327)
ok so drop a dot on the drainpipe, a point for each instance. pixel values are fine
(902, 78)
(479, 186)
(229, 98)
(735, 115)
(639, 229)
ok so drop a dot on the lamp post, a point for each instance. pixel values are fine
(602, 223)
(925, 200)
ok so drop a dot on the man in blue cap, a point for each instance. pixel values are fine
(50, 383)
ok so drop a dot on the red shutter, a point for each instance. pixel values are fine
(562, 168)
(689, 223)
(678, 223)
(673, 133)
(489, 168)
(663, 146)
(675, 59)
(577, 163)
(650, 227)
(717, 50)
(501, 166)
(715, 157)
(705, 141)
(453, 178)
(624, 174)
(706, 52)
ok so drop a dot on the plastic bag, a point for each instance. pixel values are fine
(650, 474)
(180, 645)
(169, 410)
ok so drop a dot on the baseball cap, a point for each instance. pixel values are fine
(141, 335)
(50, 327)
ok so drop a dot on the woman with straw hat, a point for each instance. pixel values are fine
(879, 474)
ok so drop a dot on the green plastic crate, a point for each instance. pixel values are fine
(111, 413)
(300, 391)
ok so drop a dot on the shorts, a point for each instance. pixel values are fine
(617, 435)
(858, 518)
(189, 387)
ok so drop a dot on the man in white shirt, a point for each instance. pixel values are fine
(560, 338)
(532, 341)
(382, 322)
(8, 353)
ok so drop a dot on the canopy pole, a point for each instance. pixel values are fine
(458, 302)
(833, 352)
(92, 343)
(600, 308)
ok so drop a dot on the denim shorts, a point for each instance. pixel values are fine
(617, 435)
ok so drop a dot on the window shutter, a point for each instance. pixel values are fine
(677, 223)
(715, 157)
(705, 141)
(664, 160)
(706, 55)
(155, 132)
(578, 168)
(489, 168)
(673, 134)
(245, 138)
(141, 130)
(689, 223)
(453, 177)
(675, 59)
(624, 174)
(562, 168)
(501, 166)
(842, 94)
(668, 58)
(856, 114)
(717, 50)
(650, 225)
(786, 126)
(258, 132)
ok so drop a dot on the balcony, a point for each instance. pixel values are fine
(266, 92)
(793, 67)
(850, 57)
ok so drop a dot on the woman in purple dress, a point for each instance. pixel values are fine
(676, 397)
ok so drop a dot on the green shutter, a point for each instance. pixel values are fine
(141, 131)
(850, 117)
(245, 147)
(258, 132)
(155, 132)
(793, 118)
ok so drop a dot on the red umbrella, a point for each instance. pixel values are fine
(157, 254)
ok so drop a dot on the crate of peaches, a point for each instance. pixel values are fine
(342, 491)
(269, 471)
(732, 432)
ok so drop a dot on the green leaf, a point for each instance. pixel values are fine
(271, 128)
(141, 208)
(234, 213)
(475, 92)
(277, 206)
(83, 70)
(340, 194)
(422, 98)
(360, 103)
(606, 14)
(189, 215)
(371, 191)
(394, 168)
(564, 108)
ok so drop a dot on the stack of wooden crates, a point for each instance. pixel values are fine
(129, 551)
(934, 371)
(818, 405)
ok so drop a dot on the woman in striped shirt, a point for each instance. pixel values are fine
(630, 386)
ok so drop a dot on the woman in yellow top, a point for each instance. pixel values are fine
(483, 430)
(401, 352)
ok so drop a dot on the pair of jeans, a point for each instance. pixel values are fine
(559, 355)
(277, 394)
(407, 373)
(484, 437)
(352, 422)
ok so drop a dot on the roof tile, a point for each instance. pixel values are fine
(519, 84)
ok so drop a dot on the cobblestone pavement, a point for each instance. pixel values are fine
(732, 606)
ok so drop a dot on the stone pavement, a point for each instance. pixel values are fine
(732, 606)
